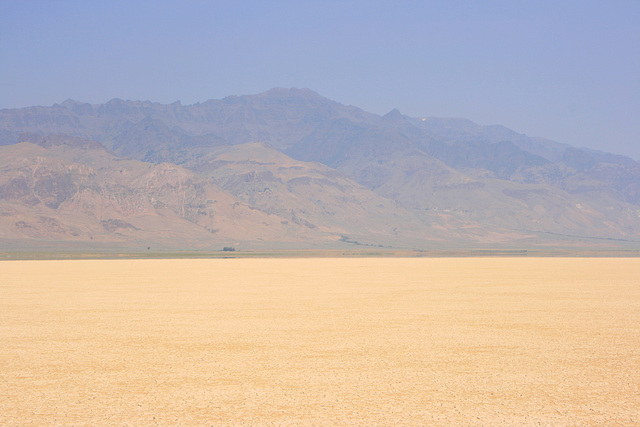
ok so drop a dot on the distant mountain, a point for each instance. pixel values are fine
(280, 117)
(290, 168)
(60, 188)
(66, 189)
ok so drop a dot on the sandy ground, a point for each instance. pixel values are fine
(464, 341)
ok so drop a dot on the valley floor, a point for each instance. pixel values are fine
(321, 341)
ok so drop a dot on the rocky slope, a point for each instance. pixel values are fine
(60, 188)
(67, 189)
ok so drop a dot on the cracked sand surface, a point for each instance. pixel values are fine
(368, 341)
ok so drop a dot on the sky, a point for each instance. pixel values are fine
(563, 70)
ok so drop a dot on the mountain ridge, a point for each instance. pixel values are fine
(453, 180)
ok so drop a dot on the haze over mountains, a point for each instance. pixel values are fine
(290, 169)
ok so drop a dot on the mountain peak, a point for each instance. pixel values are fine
(394, 115)
(278, 96)
(70, 103)
(280, 92)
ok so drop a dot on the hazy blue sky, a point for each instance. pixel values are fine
(565, 70)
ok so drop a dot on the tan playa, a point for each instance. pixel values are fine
(368, 341)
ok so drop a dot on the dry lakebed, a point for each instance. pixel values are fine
(320, 341)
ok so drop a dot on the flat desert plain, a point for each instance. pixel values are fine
(358, 341)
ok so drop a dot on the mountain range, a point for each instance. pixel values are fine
(288, 168)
